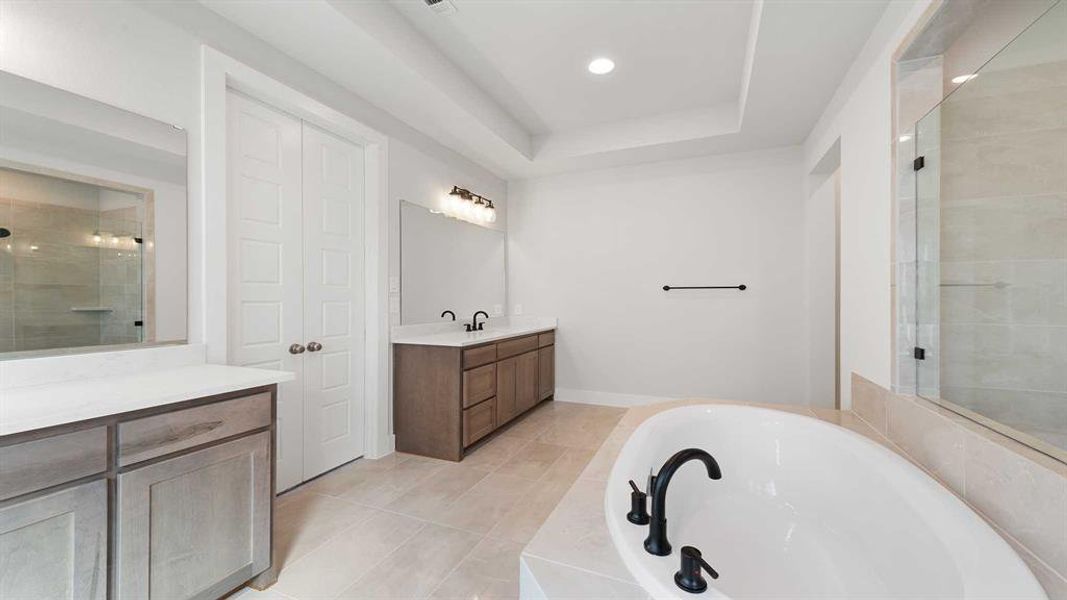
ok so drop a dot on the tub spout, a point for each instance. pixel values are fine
(657, 528)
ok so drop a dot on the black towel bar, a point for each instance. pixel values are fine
(741, 287)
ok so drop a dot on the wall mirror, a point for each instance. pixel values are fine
(448, 264)
(991, 241)
(92, 224)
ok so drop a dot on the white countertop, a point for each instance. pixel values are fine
(451, 334)
(38, 406)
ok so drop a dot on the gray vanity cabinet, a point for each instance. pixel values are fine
(197, 525)
(55, 545)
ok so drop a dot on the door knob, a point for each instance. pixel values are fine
(296, 349)
(314, 347)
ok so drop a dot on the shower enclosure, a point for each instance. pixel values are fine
(990, 272)
(71, 272)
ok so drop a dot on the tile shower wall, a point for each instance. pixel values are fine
(1003, 248)
(50, 268)
(51, 264)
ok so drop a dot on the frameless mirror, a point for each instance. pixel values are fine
(448, 264)
(92, 224)
(991, 241)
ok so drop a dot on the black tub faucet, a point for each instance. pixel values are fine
(448, 312)
(474, 325)
(657, 528)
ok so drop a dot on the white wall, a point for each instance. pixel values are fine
(860, 118)
(820, 255)
(146, 58)
(424, 180)
(595, 248)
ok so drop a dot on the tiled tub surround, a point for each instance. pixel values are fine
(1021, 492)
(1026, 501)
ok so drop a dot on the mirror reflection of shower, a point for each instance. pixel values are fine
(71, 262)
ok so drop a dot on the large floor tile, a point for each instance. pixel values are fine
(491, 571)
(485, 504)
(381, 488)
(431, 497)
(524, 518)
(418, 566)
(533, 461)
(348, 476)
(332, 567)
(494, 452)
(304, 520)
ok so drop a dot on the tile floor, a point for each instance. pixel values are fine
(405, 526)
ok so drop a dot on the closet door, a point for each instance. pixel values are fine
(333, 301)
(265, 289)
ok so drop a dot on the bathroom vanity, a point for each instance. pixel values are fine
(453, 389)
(156, 485)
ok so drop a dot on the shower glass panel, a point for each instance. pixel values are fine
(70, 263)
(991, 241)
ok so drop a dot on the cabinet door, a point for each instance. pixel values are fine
(546, 363)
(195, 526)
(526, 391)
(55, 546)
(506, 407)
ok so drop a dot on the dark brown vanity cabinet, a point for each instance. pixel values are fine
(448, 398)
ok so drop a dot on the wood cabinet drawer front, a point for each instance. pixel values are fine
(479, 421)
(476, 357)
(479, 384)
(38, 464)
(516, 346)
(155, 436)
(546, 339)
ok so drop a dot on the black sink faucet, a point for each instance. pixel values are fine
(474, 325)
(657, 528)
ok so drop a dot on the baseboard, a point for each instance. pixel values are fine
(607, 398)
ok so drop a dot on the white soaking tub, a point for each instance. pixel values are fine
(804, 509)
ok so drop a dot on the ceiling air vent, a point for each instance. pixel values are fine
(441, 7)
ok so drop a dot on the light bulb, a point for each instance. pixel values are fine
(492, 214)
(97, 239)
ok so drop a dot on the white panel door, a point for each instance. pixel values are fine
(333, 301)
(265, 301)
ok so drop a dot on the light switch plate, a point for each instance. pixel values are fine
(498, 309)
(394, 304)
(518, 309)
(394, 285)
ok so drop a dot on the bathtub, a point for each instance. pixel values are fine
(804, 509)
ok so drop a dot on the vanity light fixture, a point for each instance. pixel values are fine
(462, 204)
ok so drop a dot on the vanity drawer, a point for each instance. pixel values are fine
(479, 421)
(517, 346)
(476, 357)
(479, 384)
(170, 432)
(38, 464)
(546, 339)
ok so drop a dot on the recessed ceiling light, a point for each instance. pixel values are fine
(601, 66)
(964, 78)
